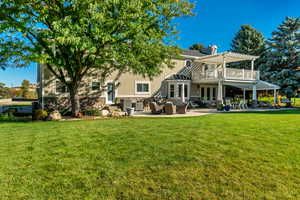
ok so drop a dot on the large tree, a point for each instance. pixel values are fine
(248, 41)
(74, 37)
(283, 57)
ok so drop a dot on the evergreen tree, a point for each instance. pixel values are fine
(283, 57)
(248, 41)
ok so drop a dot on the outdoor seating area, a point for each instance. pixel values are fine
(167, 107)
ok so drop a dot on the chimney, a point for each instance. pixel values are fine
(213, 49)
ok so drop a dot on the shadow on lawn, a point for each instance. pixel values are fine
(281, 112)
(7, 119)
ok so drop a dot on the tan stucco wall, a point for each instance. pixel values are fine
(128, 80)
(126, 87)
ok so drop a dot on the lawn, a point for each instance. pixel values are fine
(222, 156)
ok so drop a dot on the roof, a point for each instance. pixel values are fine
(178, 77)
(228, 57)
(192, 53)
(260, 85)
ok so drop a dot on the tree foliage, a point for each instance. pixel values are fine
(24, 89)
(74, 37)
(4, 91)
(248, 41)
(198, 46)
(283, 57)
(10, 53)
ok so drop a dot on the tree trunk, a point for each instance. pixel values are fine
(75, 104)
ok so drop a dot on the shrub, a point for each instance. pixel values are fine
(7, 116)
(10, 112)
(40, 114)
(221, 107)
(92, 112)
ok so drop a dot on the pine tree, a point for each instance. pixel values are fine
(283, 57)
(248, 41)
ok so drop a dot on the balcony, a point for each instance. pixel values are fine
(228, 74)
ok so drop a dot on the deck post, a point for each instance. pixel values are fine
(252, 70)
(220, 94)
(182, 93)
(244, 95)
(275, 96)
(224, 67)
(254, 96)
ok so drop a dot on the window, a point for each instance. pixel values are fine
(172, 90)
(208, 93)
(202, 93)
(206, 68)
(188, 63)
(60, 87)
(95, 86)
(142, 88)
(185, 90)
(214, 93)
(179, 90)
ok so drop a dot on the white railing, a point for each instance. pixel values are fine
(229, 73)
(208, 75)
(241, 74)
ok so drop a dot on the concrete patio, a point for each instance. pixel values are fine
(205, 111)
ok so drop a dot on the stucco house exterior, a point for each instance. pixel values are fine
(195, 76)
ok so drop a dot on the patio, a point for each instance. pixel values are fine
(204, 111)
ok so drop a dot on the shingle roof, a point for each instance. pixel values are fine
(178, 77)
(196, 53)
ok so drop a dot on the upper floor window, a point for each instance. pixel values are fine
(142, 87)
(60, 87)
(188, 63)
(95, 85)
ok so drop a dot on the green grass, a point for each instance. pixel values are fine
(16, 104)
(223, 156)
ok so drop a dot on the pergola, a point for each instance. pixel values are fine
(230, 57)
(227, 57)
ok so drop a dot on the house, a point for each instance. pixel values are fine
(195, 76)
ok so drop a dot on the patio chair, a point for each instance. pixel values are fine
(181, 109)
(242, 105)
(139, 106)
(170, 108)
(125, 103)
(193, 104)
(156, 109)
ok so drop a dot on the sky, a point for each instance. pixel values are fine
(215, 22)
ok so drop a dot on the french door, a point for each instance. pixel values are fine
(111, 93)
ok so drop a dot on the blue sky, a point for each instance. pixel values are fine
(216, 22)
